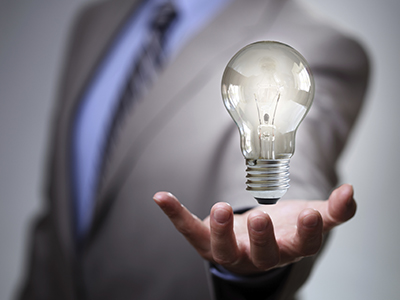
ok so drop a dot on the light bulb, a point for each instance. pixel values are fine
(267, 88)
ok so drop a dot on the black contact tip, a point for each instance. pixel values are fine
(267, 201)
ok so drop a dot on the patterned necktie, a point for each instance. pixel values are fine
(148, 64)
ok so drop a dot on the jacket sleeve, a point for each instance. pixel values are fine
(341, 71)
(43, 278)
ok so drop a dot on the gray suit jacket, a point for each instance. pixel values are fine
(180, 138)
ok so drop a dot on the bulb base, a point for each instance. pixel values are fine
(267, 180)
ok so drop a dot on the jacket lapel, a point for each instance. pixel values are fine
(209, 51)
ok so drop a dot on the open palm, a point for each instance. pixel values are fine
(264, 237)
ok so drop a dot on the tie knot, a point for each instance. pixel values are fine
(164, 17)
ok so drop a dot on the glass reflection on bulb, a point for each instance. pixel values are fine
(267, 88)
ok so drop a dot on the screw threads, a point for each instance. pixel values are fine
(267, 179)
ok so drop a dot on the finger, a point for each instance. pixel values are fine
(263, 247)
(224, 246)
(190, 226)
(308, 238)
(341, 207)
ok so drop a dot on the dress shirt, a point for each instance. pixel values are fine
(99, 102)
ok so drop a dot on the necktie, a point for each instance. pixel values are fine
(148, 62)
(145, 69)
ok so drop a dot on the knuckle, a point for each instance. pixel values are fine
(267, 264)
(221, 236)
(172, 213)
(183, 229)
(266, 261)
(314, 249)
(225, 261)
(310, 249)
(206, 254)
(259, 242)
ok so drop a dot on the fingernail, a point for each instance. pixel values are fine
(258, 224)
(310, 220)
(221, 216)
(350, 200)
(157, 198)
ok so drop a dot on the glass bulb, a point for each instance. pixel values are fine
(267, 88)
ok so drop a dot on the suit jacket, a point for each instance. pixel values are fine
(180, 138)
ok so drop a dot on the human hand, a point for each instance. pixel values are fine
(264, 237)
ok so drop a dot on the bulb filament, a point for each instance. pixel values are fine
(266, 131)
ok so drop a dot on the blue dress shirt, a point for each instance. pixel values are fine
(98, 105)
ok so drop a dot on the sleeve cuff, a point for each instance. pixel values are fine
(240, 287)
(249, 280)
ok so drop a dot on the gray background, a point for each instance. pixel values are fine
(361, 261)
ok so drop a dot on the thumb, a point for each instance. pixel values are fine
(341, 207)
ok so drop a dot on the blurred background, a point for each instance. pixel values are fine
(361, 261)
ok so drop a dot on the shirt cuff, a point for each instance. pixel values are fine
(263, 286)
(249, 280)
